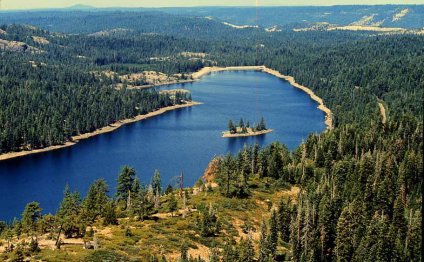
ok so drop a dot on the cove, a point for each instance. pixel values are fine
(184, 140)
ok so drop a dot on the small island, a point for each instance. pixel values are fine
(243, 130)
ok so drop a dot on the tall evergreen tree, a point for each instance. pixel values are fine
(377, 245)
(349, 232)
(172, 204)
(30, 217)
(284, 220)
(125, 184)
(94, 203)
(157, 182)
(69, 214)
(272, 238)
(263, 245)
(247, 252)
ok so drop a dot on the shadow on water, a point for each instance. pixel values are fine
(234, 144)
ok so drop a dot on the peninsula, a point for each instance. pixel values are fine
(112, 127)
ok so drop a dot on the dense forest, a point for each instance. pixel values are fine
(92, 19)
(361, 192)
(359, 185)
(43, 107)
(80, 63)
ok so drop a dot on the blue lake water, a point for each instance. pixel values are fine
(182, 140)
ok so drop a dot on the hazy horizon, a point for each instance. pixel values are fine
(52, 4)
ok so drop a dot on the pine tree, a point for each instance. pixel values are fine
(241, 124)
(349, 232)
(157, 183)
(255, 158)
(125, 184)
(169, 189)
(94, 203)
(136, 186)
(399, 226)
(261, 125)
(17, 228)
(184, 252)
(284, 220)
(263, 245)
(231, 127)
(230, 253)
(327, 223)
(30, 217)
(172, 204)
(413, 241)
(110, 214)
(69, 214)
(247, 252)
(246, 165)
(208, 223)
(272, 239)
(377, 245)
(142, 205)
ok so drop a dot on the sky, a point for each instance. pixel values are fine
(34, 4)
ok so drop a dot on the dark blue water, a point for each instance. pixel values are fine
(183, 140)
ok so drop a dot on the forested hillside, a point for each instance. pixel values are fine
(143, 22)
(353, 193)
(360, 198)
(49, 96)
(404, 16)
(407, 16)
(376, 68)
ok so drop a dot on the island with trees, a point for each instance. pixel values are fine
(245, 129)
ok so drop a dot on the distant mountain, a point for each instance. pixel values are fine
(406, 16)
(81, 7)
(100, 21)
(203, 21)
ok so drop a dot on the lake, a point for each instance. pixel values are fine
(178, 141)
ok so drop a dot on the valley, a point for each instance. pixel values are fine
(111, 125)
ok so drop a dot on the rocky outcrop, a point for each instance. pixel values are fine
(15, 46)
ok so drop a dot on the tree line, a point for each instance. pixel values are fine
(42, 106)
(360, 192)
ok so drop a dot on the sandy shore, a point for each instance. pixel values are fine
(227, 134)
(196, 76)
(99, 131)
(163, 84)
(290, 79)
(208, 70)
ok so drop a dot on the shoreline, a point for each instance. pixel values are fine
(227, 134)
(207, 70)
(321, 106)
(199, 74)
(103, 130)
(195, 77)
(185, 81)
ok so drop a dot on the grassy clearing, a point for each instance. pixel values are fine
(163, 234)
